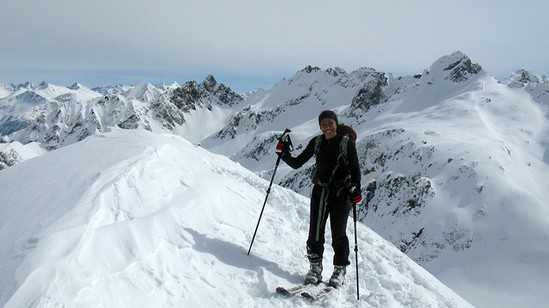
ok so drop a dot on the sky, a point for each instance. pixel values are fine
(254, 44)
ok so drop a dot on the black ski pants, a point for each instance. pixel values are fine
(329, 202)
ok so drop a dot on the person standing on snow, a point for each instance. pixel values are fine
(336, 181)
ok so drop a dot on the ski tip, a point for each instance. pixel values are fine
(307, 295)
(281, 290)
(318, 294)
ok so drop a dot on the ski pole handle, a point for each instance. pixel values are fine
(285, 138)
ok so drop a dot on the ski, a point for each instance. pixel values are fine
(292, 290)
(315, 295)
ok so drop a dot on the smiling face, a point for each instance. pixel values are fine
(329, 128)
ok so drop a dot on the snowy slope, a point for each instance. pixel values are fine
(135, 219)
(460, 158)
(462, 189)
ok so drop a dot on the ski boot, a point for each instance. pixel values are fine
(338, 277)
(314, 275)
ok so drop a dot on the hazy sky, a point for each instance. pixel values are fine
(255, 43)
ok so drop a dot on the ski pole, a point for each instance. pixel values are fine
(284, 138)
(356, 253)
(265, 202)
(370, 191)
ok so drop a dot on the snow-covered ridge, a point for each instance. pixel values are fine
(159, 222)
(459, 157)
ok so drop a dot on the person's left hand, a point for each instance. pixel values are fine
(355, 193)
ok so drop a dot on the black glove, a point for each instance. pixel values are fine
(355, 193)
(284, 144)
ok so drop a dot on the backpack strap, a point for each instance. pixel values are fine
(318, 140)
(343, 148)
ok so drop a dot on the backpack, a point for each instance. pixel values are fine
(348, 133)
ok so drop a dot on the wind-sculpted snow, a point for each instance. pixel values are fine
(136, 219)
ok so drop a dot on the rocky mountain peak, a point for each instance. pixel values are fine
(209, 83)
(310, 69)
(456, 67)
(76, 86)
(522, 77)
(43, 85)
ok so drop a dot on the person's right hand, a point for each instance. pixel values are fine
(281, 148)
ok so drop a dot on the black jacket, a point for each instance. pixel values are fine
(327, 161)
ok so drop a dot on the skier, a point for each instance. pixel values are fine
(336, 179)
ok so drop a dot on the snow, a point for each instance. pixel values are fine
(144, 92)
(481, 147)
(201, 123)
(26, 151)
(491, 197)
(132, 218)
(473, 154)
(4, 91)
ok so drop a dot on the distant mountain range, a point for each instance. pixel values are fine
(460, 158)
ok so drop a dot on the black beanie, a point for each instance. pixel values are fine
(327, 114)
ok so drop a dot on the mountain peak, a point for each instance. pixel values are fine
(76, 86)
(456, 67)
(209, 83)
(43, 85)
(26, 85)
(310, 69)
(144, 91)
(522, 77)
